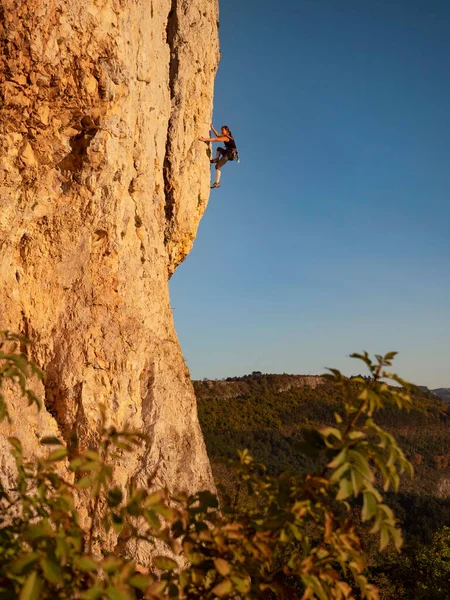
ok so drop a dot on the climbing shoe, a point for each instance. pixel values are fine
(214, 160)
(215, 185)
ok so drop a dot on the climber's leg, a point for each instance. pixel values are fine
(219, 165)
(219, 152)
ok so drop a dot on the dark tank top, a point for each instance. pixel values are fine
(230, 145)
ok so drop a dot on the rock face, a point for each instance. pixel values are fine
(102, 186)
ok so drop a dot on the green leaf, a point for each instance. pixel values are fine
(92, 455)
(141, 582)
(396, 536)
(51, 441)
(313, 583)
(154, 498)
(76, 463)
(185, 578)
(42, 529)
(337, 475)
(337, 418)
(331, 431)
(84, 483)
(86, 564)
(364, 394)
(164, 563)
(3, 410)
(156, 588)
(356, 435)
(384, 537)
(284, 537)
(345, 489)
(369, 508)
(20, 565)
(111, 564)
(32, 588)
(152, 519)
(339, 459)
(65, 501)
(194, 557)
(361, 464)
(51, 570)
(224, 588)
(296, 531)
(241, 584)
(95, 593)
(57, 455)
(387, 510)
(114, 593)
(357, 481)
(223, 567)
(117, 522)
(114, 497)
(167, 512)
(87, 466)
(15, 443)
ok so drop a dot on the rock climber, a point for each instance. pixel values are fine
(223, 155)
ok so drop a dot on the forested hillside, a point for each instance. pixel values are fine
(267, 414)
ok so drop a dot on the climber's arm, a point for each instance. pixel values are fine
(220, 138)
(215, 132)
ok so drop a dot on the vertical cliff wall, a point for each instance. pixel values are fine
(102, 186)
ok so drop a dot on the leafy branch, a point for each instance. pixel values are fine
(294, 535)
(15, 367)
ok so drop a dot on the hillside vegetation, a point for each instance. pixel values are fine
(312, 536)
(268, 413)
(271, 415)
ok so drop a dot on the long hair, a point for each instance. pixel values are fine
(228, 130)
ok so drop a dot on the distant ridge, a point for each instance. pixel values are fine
(443, 393)
(233, 387)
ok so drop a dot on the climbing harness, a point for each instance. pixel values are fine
(233, 154)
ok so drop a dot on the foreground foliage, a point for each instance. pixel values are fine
(268, 413)
(296, 536)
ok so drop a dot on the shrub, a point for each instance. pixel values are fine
(295, 537)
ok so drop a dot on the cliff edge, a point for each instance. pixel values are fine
(102, 186)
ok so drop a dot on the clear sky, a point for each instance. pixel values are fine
(333, 233)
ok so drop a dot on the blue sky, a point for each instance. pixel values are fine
(333, 233)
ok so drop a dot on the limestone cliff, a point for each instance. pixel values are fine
(102, 186)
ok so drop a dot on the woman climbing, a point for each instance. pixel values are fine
(223, 155)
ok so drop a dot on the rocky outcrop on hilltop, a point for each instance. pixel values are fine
(102, 186)
(233, 387)
(442, 393)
